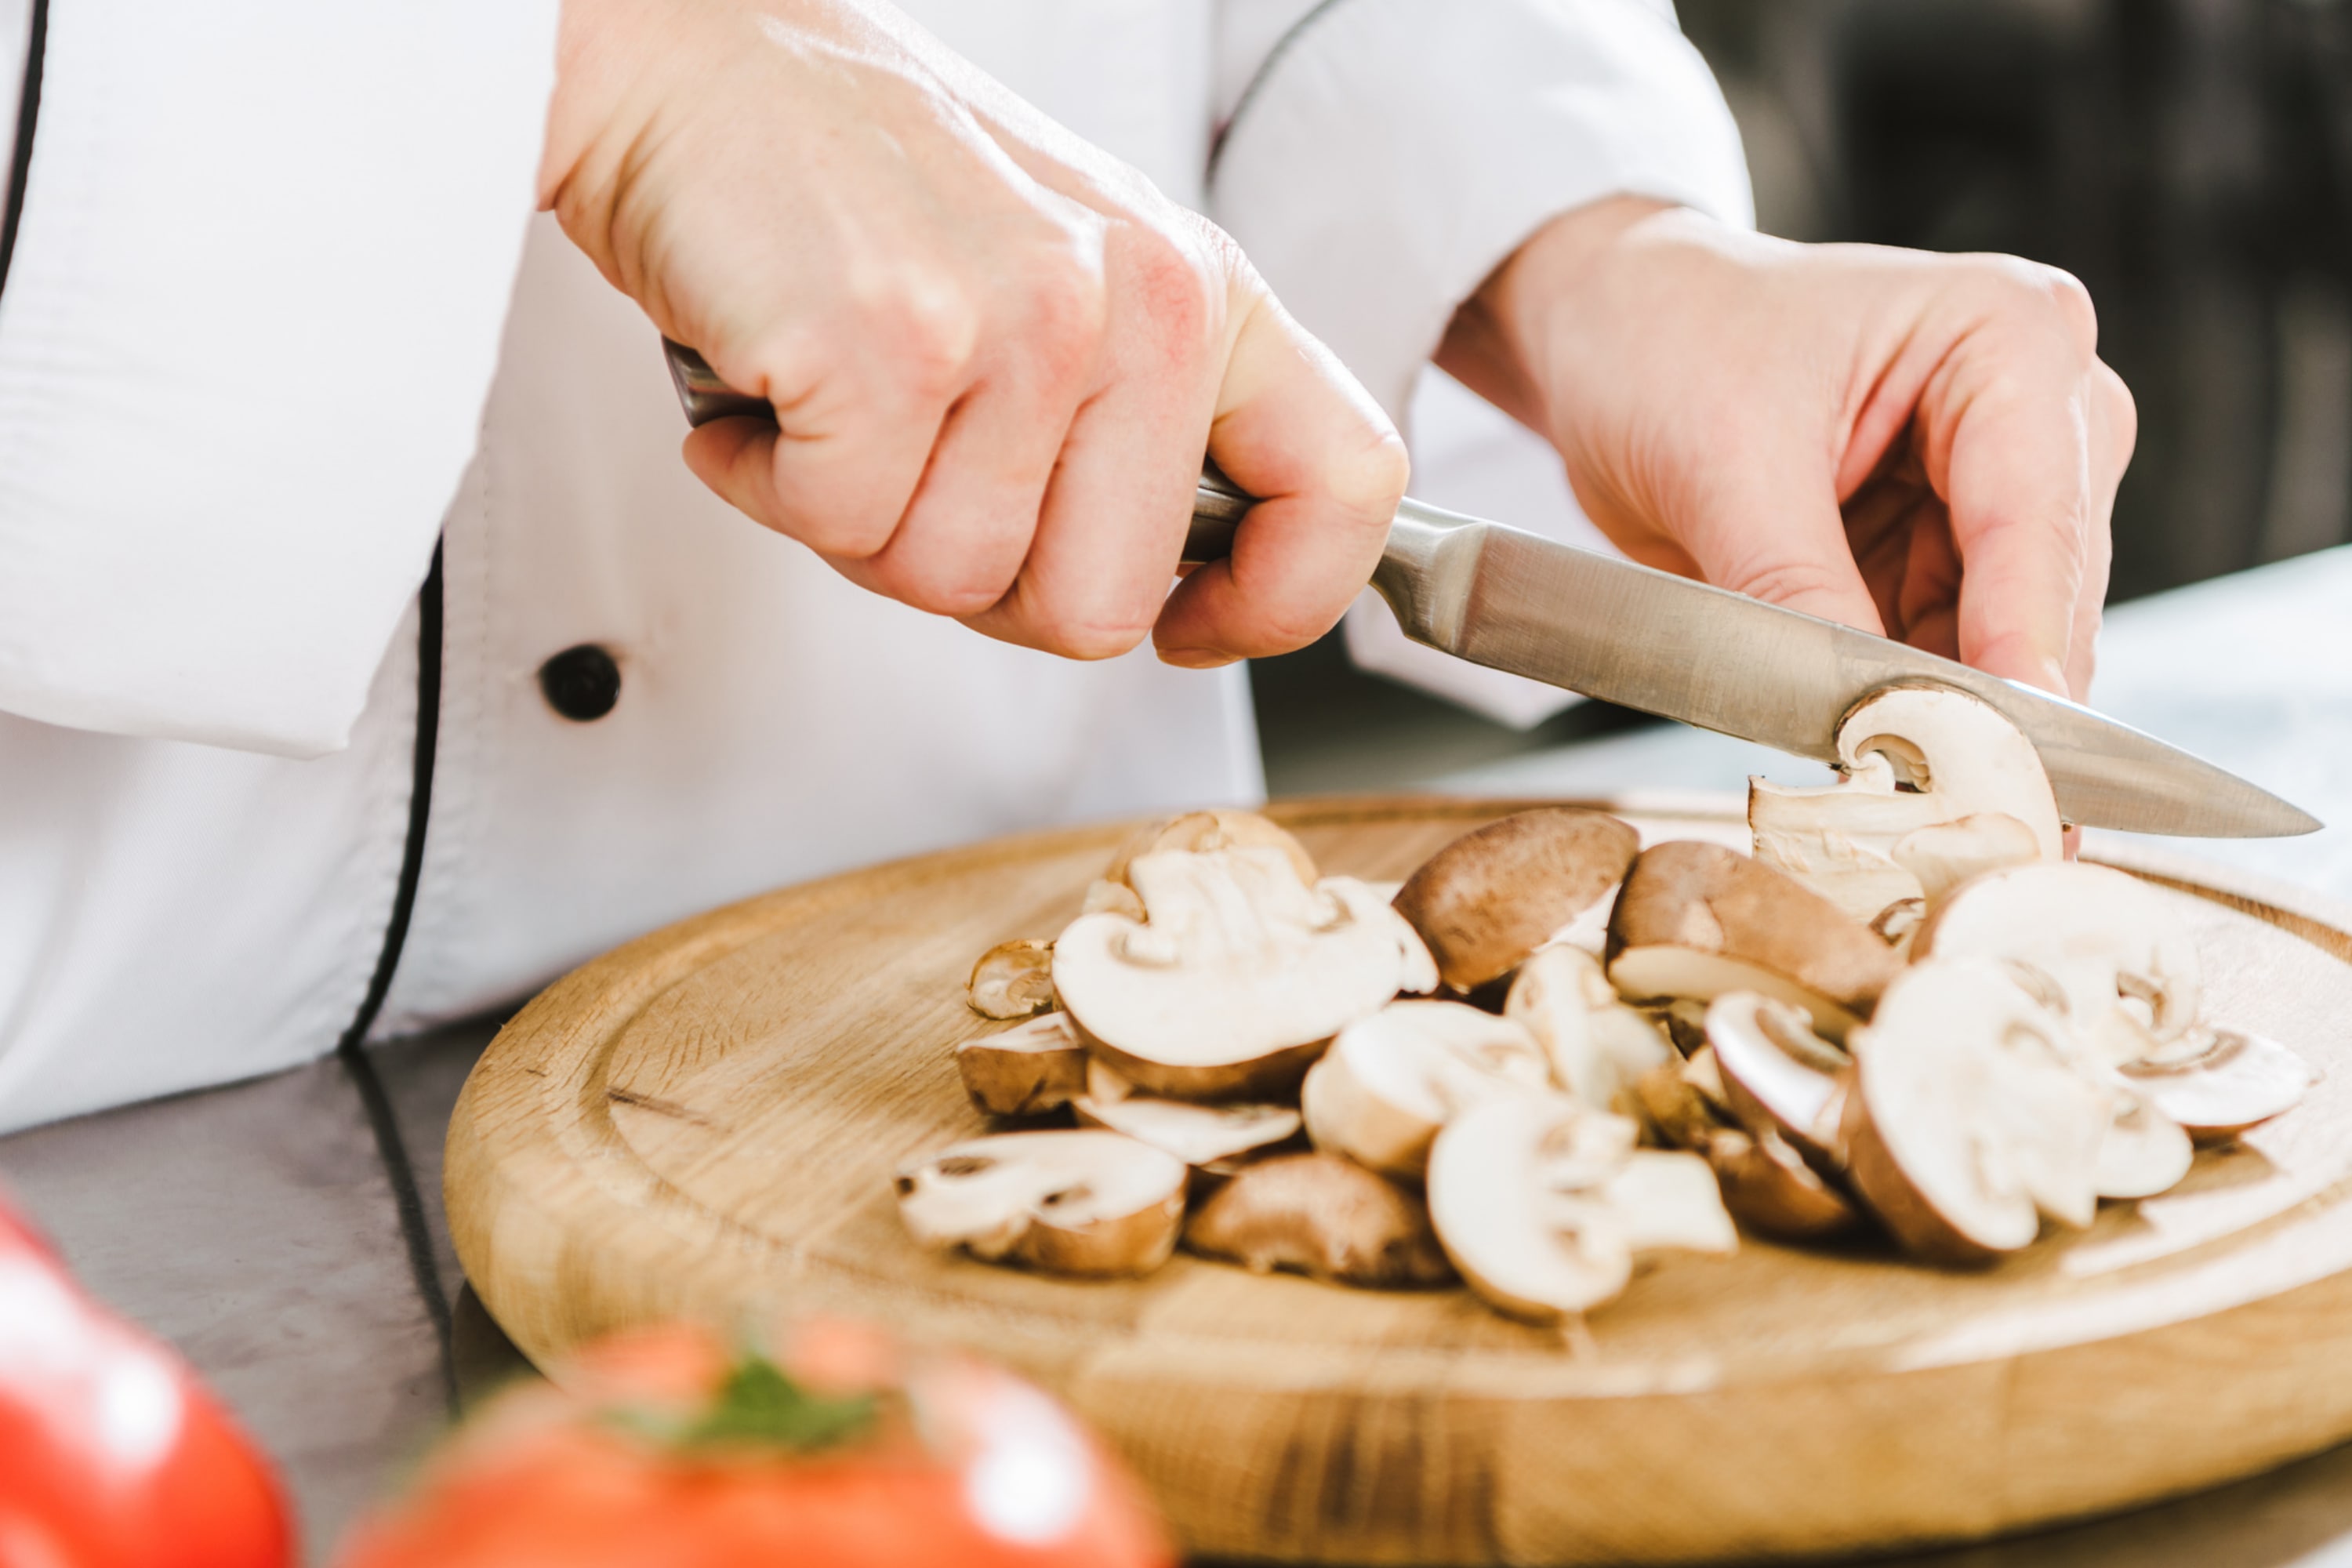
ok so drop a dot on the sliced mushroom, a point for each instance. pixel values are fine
(1199, 832)
(1597, 1044)
(2114, 946)
(1025, 1071)
(1945, 854)
(1959, 759)
(1696, 920)
(2218, 1083)
(1391, 1081)
(1323, 1216)
(1366, 901)
(1491, 896)
(1544, 1206)
(1200, 1136)
(1235, 980)
(1013, 980)
(2144, 1152)
(1969, 1120)
(1766, 1185)
(1117, 897)
(1070, 1202)
(1778, 1076)
(1770, 1188)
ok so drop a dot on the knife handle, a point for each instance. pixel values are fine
(1218, 504)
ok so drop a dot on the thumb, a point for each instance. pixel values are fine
(1771, 529)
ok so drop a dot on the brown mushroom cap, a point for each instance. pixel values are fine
(1323, 1216)
(1025, 1071)
(1491, 896)
(1080, 1202)
(1696, 920)
(1013, 980)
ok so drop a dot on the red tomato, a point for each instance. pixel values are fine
(662, 1448)
(111, 1454)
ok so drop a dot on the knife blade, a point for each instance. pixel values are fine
(1647, 639)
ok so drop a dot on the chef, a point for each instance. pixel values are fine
(368, 655)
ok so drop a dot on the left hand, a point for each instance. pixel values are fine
(1923, 446)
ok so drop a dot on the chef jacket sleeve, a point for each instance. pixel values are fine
(1381, 157)
(251, 315)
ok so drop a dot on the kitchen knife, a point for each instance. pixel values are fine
(1648, 640)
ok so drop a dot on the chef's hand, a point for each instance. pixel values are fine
(995, 354)
(1926, 445)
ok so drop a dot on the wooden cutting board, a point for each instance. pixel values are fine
(705, 1123)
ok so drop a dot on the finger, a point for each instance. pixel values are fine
(964, 535)
(2115, 432)
(2018, 485)
(1767, 524)
(850, 441)
(1114, 513)
(1295, 429)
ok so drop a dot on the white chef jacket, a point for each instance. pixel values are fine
(278, 324)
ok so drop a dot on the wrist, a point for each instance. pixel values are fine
(1496, 342)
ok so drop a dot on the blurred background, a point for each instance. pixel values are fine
(2190, 159)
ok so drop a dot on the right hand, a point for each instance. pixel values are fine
(995, 354)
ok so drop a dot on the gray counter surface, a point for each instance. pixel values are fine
(287, 1233)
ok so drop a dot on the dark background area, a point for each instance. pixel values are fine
(2190, 159)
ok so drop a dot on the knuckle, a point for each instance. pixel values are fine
(1069, 313)
(1177, 291)
(1367, 483)
(2051, 296)
(928, 325)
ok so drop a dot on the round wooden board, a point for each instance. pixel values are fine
(705, 1123)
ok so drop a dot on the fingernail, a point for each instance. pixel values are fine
(1195, 658)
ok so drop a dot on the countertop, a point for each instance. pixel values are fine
(287, 1233)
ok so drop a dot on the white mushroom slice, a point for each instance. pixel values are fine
(1026, 1071)
(1233, 983)
(1196, 1135)
(1535, 1198)
(1597, 1044)
(2218, 1083)
(1013, 980)
(1391, 1081)
(1117, 898)
(1969, 1119)
(1070, 1202)
(1373, 903)
(2116, 946)
(1778, 1076)
(1945, 854)
(1490, 898)
(2144, 1152)
(1696, 920)
(1199, 832)
(1322, 1216)
(1960, 758)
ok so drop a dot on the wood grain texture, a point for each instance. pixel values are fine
(704, 1123)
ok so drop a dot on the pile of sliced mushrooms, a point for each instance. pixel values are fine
(1552, 1057)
